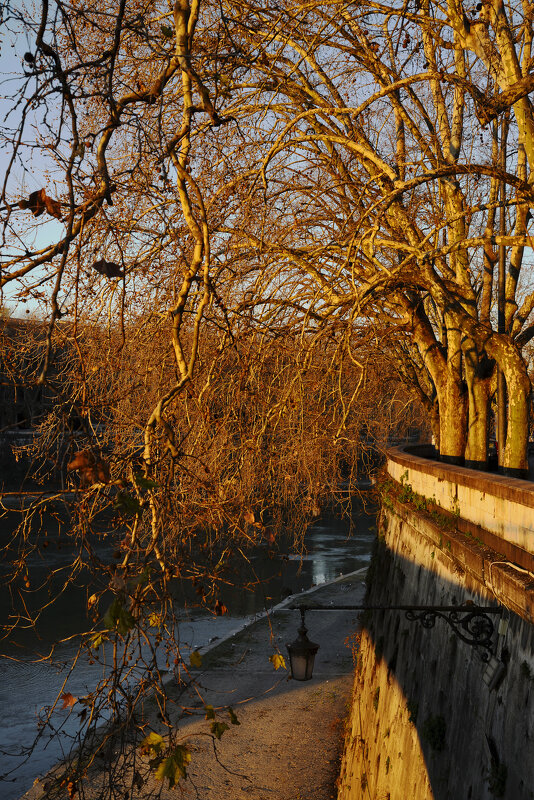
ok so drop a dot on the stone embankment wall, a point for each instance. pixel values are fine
(426, 722)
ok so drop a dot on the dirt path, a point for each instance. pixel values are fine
(287, 747)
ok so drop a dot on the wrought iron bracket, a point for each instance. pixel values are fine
(471, 623)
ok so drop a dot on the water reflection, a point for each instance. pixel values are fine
(26, 687)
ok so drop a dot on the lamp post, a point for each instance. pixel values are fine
(472, 624)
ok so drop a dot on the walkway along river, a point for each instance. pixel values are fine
(27, 686)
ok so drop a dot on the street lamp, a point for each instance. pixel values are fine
(302, 653)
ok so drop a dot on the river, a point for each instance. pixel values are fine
(26, 686)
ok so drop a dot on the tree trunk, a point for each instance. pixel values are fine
(515, 460)
(452, 401)
(477, 374)
(510, 361)
(434, 424)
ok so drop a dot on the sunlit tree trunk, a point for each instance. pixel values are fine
(477, 375)
(452, 400)
(518, 388)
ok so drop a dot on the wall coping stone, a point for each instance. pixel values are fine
(502, 505)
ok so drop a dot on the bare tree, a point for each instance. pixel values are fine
(385, 184)
(199, 405)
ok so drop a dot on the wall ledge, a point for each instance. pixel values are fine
(499, 505)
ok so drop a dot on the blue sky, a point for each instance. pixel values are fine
(31, 171)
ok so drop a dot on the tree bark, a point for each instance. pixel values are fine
(477, 374)
(510, 361)
(452, 399)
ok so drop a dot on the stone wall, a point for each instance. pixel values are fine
(500, 505)
(424, 723)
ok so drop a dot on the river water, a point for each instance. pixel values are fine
(26, 686)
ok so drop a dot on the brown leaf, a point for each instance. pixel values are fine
(249, 517)
(220, 608)
(81, 460)
(102, 471)
(68, 700)
(91, 469)
(35, 202)
(108, 268)
(39, 201)
(53, 207)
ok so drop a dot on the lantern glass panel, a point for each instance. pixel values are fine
(300, 666)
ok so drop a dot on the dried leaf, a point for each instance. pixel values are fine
(81, 460)
(195, 659)
(68, 700)
(90, 468)
(277, 660)
(39, 201)
(53, 207)
(108, 268)
(249, 517)
(220, 608)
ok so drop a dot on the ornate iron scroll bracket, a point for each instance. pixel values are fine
(470, 623)
(473, 625)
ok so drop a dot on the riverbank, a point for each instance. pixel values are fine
(288, 743)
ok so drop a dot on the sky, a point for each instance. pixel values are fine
(30, 172)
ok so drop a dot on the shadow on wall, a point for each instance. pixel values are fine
(425, 723)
